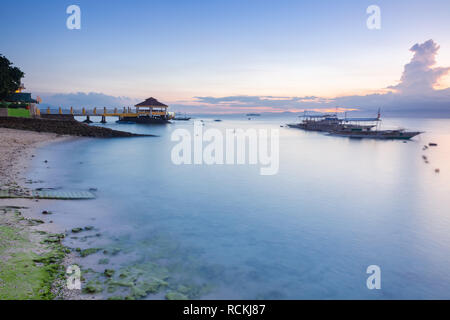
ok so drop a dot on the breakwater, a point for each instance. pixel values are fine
(66, 127)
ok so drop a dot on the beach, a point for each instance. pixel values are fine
(32, 257)
(16, 149)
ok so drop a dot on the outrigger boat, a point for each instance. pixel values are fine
(326, 123)
(351, 131)
(352, 127)
(180, 117)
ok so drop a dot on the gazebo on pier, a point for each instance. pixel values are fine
(152, 106)
(148, 111)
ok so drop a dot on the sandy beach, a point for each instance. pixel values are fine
(27, 235)
(16, 149)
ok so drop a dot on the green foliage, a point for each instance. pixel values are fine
(22, 113)
(10, 78)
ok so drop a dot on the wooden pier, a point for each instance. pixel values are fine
(149, 108)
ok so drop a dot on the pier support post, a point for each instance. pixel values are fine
(88, 120)
(103, 119)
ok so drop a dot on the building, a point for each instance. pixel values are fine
(19, 104)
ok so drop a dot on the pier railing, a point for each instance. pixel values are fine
(102, 112)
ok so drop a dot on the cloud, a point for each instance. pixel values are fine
(419, 76)
(87, 100)
(414, 93)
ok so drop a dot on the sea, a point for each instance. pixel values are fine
(335, 209)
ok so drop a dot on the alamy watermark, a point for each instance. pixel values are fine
(374, 20)
(74, 278)
(235, 147)
(73, 22)
(374, 280)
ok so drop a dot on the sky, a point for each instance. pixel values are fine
(234, 55)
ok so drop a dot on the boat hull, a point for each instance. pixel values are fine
(400, 135)
(143, 120)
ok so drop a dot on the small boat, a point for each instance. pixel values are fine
(179, 117)
(253, 115)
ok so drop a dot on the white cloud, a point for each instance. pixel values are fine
(420, 76)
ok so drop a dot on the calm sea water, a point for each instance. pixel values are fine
(336, 206)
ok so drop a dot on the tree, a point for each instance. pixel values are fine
(10, 78)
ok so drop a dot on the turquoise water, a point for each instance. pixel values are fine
(336, 206)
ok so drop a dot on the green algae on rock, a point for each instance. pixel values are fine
(175, 296)
(87, 252)
(29, 264)
(93, 287)
(109, 273)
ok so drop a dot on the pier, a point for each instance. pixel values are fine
(150, 108)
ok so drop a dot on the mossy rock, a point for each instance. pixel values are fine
(103, 261)
(109, 272)
(175, 296)
(87, 252)
(93, 287)
(111, 289)
(112, 251)
(77, 230)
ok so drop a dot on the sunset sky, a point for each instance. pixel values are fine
(210, 55)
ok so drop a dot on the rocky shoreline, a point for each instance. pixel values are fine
(63, 127)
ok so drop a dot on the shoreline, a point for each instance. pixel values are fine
(30, 243)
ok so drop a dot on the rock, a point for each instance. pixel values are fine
(175, 296)
(109, 273)
(87, 252)
(47, 212)
(432, 144)
(88, 228)
(103, 261)
(93, 287)
(77, 230)
(62, 125)
(112, 251)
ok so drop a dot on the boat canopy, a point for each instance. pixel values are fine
(361, 119)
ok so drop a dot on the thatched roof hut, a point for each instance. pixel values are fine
(151, 103)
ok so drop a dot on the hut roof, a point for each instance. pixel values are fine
(151, 102)
(21, 97)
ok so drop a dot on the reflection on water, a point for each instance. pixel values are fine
(336, 206)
